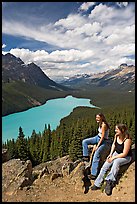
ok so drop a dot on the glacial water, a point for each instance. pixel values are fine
(36, 118)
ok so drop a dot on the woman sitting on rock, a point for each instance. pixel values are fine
(120, 154)
(100, 140)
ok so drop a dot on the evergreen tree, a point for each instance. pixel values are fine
(47, 142)
(22, 148)
(12, 150)
(33, 148)
(75, 148)
(38, 147)
(54, 147)
(64, 140)
(60, 147)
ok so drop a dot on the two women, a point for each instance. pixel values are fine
(120, 154)
(100, 140)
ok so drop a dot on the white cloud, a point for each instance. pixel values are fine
(107, 15)
(3, 46)
(102, 13)
(56, 56)
(86, 5)
(126, 60)
(87, 29)
(65, 61)
(123, 49)
(71, 22)
(90, 43)
(120, 4)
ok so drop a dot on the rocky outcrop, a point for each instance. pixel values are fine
(19, 174)
(61, 167)
(19, 178)
(16, 174)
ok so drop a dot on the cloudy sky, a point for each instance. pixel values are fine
(69, 38)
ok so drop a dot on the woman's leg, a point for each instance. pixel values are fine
(86, 142)
(96, 159)
(115, 167)
(111, 177)
(103, 170)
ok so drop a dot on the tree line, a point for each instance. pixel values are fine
(67, 138)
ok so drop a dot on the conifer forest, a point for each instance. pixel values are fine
(67, 138)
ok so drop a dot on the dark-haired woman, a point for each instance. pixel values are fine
(120, 154)
(100, 140)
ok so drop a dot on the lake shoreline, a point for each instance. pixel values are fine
(36, 105)
(46, 102)
(36, 118)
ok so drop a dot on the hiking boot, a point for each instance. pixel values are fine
(92, 177)
(109, 186)
(94, 188)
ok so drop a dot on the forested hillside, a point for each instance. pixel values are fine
(117, 105)
(67, 138)
(25, 86)
(19, 96)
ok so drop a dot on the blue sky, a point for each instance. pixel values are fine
(69, 38)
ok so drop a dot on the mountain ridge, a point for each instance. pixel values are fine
(123, 78)
(25, 86)
(14, 69)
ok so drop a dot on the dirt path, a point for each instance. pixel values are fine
(61, 190)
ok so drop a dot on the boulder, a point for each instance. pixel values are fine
(16, 174)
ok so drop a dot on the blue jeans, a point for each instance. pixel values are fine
(116, 163)
(97, 154)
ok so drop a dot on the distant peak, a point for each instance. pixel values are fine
(10, 55)
(124, 64)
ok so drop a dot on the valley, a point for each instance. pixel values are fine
(26, 86)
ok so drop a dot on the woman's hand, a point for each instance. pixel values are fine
(109, 158)
(110, 155)
(95, 147)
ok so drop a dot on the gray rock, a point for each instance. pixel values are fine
(16, 174)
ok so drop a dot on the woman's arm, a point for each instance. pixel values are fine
(104, 127)
(112, 147)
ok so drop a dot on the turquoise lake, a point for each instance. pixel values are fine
(36, 118)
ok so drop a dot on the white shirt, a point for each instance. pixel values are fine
(100, 133)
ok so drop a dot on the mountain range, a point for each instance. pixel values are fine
(25, 86)
(121, 78)
(14, 69)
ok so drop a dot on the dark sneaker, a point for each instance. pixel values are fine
(94, 188)
(92, 177)
(109, 186)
